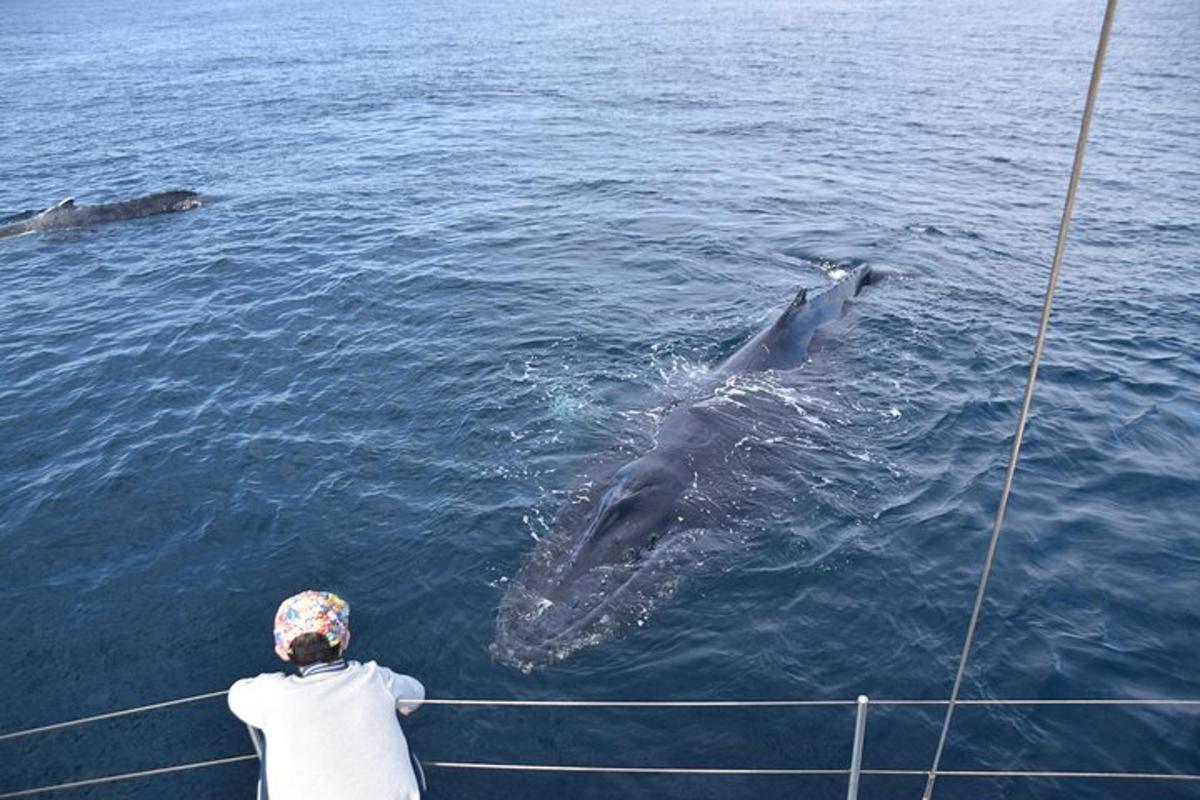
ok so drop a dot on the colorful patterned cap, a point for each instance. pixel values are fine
(311, 612)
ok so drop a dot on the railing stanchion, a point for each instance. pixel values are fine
(255, 737)
(860, 732)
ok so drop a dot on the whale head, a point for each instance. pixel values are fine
(179, 200)
(599, 569)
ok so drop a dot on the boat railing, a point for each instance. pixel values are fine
(852, 771)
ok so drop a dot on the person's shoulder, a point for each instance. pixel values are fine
(397, 685)
(252, 698)
(388, 676)
(371, 668)
(377, 668)
(264, 680)
(366, 666)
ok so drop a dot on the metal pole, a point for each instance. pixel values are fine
(860, 732)
(254, 738)
(1060, 246)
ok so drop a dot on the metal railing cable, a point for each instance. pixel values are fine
(638, 703)
(853, 773)
(1045, 774)
(469, 701)
(128, 776)
(1022, 418)
(952, 773)
(634, 770)
(455, 701)
(111, 715)
(1002, 701)
(959, 773)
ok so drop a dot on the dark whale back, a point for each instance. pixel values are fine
(784, 344)
(66, 214)
(585, 577)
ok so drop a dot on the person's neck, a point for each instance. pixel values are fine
(337, 664)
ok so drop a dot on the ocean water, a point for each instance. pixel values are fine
(454, 256)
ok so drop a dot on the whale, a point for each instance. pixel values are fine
(67, 214)
(629, 531)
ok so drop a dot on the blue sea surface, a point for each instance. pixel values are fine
(454, 255)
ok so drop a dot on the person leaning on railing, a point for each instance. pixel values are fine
(331, 731)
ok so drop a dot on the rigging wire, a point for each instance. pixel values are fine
(1060, 246)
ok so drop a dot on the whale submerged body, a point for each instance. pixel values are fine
(66, 214)
(626, 536)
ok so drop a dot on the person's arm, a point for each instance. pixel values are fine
(405, 690)
(246, 701)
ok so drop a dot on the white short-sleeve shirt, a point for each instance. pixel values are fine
(333, 733)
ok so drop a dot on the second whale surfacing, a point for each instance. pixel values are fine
(66, 214)
(625, 538)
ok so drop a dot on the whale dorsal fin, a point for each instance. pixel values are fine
(65, 203)
(789, 313)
